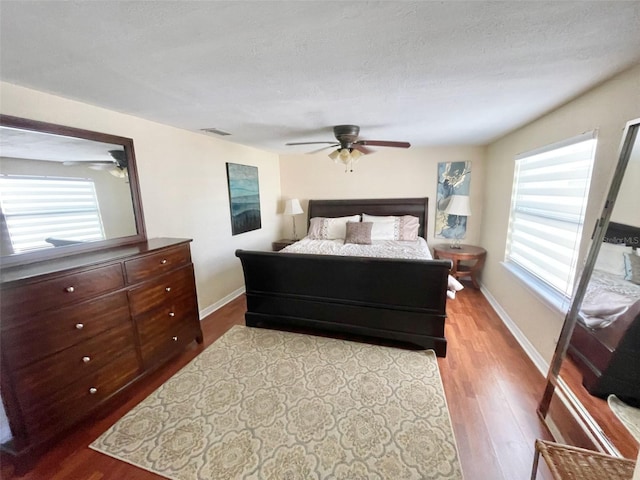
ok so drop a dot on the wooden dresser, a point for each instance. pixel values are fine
(77, 330)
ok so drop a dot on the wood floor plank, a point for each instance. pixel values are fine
(492, 391)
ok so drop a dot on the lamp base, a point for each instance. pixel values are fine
(456, 244)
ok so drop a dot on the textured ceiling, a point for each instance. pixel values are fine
(431, 73)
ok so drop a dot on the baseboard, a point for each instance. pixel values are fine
(222, 302)
(541, 364)
(573, 407)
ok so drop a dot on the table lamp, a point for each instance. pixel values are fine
(292, 207)
(459, 206)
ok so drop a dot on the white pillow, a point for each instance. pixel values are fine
(611, 258)
(393, 227)
(322, 228)
(383, 228)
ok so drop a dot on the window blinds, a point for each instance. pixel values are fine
(550, 191)
(36, 208)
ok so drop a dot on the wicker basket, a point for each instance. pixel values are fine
(572, 463)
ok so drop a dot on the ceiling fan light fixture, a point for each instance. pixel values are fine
(347, 156)
(119, 172)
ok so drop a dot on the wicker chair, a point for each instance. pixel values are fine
(572, 463)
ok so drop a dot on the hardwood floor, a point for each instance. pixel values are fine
(492, 390)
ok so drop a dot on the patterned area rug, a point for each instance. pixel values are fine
(628, 415)
(269, 405)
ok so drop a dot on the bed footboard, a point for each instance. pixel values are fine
(390, 299)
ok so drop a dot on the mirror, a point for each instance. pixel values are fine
(598, 352)
(65, 190)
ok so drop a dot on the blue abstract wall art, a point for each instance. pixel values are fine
(244, 198)
(454, 178)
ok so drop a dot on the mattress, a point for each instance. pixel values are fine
(415, 250)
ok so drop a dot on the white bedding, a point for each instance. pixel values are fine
(418, 250)
(608, 298)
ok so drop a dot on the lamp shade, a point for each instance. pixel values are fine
(458, 205)
(292, 207)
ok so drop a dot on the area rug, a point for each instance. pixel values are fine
(628, 415)
(270, 405)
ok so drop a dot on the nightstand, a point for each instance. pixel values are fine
(280, 244)
(473, 258)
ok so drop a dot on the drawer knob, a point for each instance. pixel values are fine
(93, 390)
(163, 261)
(70, 289)
(175, 339)
(86, 359)
(172, 314)
(167, 289)
(79, 326)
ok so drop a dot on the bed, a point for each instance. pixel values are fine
(605, 344)
(372, 297)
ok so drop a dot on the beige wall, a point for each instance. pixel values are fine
(183, 184)
(388, 173)
(606, 109)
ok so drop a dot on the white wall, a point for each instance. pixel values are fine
(388, 173)
(183, 182)
(606, 108)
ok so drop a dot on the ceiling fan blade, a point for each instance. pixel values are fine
(103, 166)
(361, 148)
(307, 143)
(323, 148)
(384, 143)
(70, 163)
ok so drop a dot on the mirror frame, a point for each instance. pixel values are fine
(553, 379)
(127, 143)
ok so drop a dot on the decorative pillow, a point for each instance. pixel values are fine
(322, 228)
(409, 227)
(632, 268)
(393, 227)
(358, 232)
(610, 258)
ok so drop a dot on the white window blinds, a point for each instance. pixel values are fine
(40, 208)
(551, 186)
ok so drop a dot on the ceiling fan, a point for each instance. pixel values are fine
(349, 147)
(116, 167)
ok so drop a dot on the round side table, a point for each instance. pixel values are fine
(466, 253)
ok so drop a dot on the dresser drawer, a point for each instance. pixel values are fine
(59, 291)
(167, 329)
(152, 265)
(161, 344)
(166, 317)
(163, 290)
(68, 405)
(42, 379)
(29, 339)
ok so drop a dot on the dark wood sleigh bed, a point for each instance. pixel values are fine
(379, 298)
(609, 358)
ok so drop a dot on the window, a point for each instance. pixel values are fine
(37, 208)
(550, 191)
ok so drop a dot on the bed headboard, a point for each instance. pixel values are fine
(418, 207)
(622, 234)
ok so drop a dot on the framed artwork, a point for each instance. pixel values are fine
(244, 198)
(452, 200)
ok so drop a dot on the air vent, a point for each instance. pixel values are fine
(215, 131)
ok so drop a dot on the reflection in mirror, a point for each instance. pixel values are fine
(602, 331)
(64, 189)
